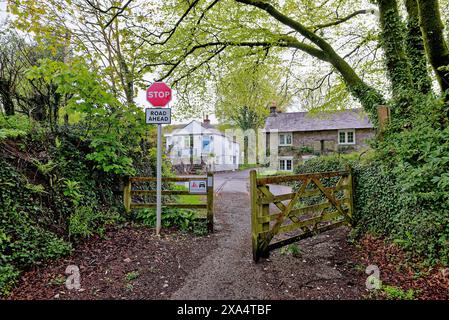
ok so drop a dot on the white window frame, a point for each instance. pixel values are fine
(187, 142)
(285, 134)
(285, 164)
(346, 137)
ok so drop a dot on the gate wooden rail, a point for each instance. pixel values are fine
(334, 189)
(129, 192)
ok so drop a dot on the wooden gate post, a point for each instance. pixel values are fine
(254, 214)
(210, 202)
(264, 239)
(127, 195)
(350, 193)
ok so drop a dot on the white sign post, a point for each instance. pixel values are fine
(159, 95)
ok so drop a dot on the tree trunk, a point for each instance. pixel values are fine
(393, 43)
(245, 149)
(415, 49)
(6, 98)
(436, 47)
(256, 130)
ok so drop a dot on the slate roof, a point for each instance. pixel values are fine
(303, 121)
(206, 129)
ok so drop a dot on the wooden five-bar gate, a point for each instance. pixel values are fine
(320, 202)
(129, 192)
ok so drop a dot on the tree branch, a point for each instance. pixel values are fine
(341, 20)
(436, 47)
(284, 41)
(368, 96)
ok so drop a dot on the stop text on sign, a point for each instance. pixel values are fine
(158, 115)
(159, 94)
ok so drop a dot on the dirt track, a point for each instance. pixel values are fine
(321, 271)
(133, 263)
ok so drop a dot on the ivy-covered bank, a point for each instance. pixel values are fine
(52, 195)
(387, 205)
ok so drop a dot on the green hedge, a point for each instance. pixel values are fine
(383, 208)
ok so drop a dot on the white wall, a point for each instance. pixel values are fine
(223, 148)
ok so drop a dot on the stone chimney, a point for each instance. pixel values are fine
(206, 120)
(273, 109)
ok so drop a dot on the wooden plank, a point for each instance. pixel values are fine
(330, 197)
(316, 207)
(170, 205)
(265, 235)
(266, 192)
(302, 177)
(350, 193)
(287, 210)
(268, 218)
(302, 211)
(168, 179)
(166, 192)
(304, 235)
(210, 202)
(315, 192)
(306, 194)
(311, 222)
(127, 196)
(278, 198)
(254, 214)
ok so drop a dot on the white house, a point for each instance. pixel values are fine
(200, 145)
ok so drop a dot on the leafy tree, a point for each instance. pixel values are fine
(112, 130)
(341, 37)
(244, 96)
(212, 33)
(33, 98)
(97, 30)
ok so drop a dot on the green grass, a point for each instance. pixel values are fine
(192, 199)
(248, 166)
(269, 173)
(396, 293)
(133, 275)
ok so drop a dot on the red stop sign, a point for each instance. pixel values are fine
(159, 94)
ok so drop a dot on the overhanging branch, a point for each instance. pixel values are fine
(285, 41)
(342, 20)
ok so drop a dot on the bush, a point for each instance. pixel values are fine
(27, 243)
(86, 221)
(8, 277)
(14, 126)
(184, 219)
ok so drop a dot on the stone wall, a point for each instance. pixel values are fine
(312, 142)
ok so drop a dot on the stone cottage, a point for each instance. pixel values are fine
(294, 136)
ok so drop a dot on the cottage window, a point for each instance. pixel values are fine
(285, 164)
(206, 143)
(187, 142)
(285, 139)
(346, 137)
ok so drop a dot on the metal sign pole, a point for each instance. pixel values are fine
(159, 179)
(159, 95)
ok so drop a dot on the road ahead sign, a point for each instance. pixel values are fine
(158, 115)
(198, 186)
(159, 94)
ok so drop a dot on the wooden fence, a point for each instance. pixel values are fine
(322, 201)
(129, 192)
